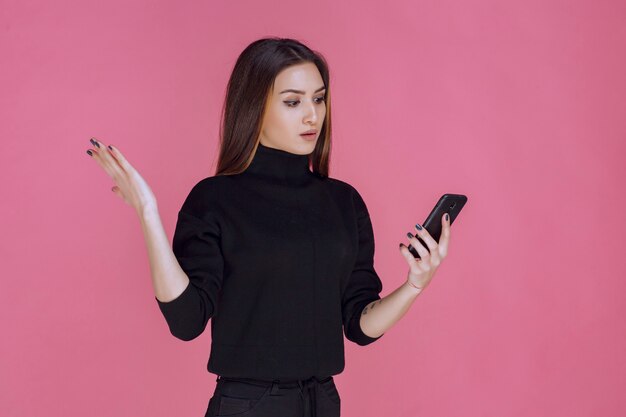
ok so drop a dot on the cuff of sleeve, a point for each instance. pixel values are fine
(361, 338)
(184, 298)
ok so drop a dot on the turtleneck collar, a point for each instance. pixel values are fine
(272, 163)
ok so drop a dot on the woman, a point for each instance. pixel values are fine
(277, 253)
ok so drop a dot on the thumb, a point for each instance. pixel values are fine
(116, 190)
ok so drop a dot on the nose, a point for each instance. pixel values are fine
(311, 114)
(311, 119)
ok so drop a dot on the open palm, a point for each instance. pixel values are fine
(129, 185)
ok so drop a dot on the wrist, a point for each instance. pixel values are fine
(147, 212)
(414, 288)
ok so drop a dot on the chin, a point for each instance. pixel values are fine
(310, 145)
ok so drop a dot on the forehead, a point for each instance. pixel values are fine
(304, 77)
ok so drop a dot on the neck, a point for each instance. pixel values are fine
(272, 163)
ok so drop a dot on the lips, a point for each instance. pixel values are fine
(309, 136)
(309, 132)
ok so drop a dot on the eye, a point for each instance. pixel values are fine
(292, 103)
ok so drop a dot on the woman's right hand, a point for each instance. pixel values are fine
(129, 185)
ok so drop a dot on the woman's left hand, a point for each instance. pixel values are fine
(421, 271)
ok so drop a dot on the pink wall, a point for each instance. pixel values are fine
(520, 106)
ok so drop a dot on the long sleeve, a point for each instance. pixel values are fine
(364, 285)
(196, 245)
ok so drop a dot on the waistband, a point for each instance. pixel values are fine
(280, 383)
(307, 388)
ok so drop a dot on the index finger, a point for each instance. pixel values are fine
(426, 237)
(117, 154)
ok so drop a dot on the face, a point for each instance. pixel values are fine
(296, 105)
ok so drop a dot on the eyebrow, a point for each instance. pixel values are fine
(290, 90)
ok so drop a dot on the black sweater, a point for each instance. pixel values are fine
(280, 259)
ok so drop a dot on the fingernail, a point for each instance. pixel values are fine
(89, 152)
(418, 226)
(94, 142)
(409, 235)
(447, 217)
(110, 147)
(401, 245)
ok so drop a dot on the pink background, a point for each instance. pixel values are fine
(518, 105)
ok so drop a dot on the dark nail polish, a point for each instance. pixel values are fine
(94, 142)
(418, 226)
(409, 235)
(447, 217)
(89, 152)
(400, 245)
(110, 147)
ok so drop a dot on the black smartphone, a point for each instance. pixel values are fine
(448, 203)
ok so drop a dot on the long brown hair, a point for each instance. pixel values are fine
(247, 97)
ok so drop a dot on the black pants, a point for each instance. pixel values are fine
(246, 397)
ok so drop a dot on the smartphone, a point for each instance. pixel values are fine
(448, 203)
